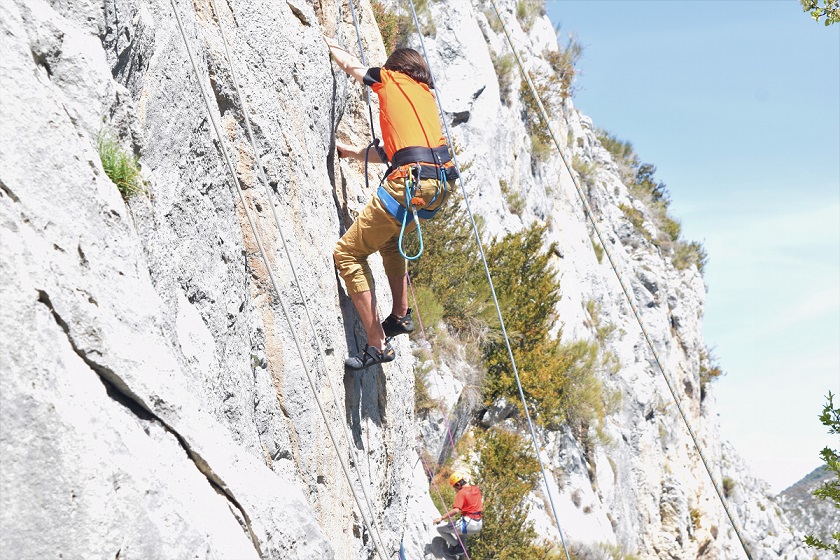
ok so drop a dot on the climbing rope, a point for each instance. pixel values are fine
(492, 289)
(590, 215)
(408, 204)
(273, 280)
(399, 245)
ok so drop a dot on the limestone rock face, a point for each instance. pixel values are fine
(145, 354)
(165, 392)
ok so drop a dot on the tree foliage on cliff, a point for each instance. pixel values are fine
(450, 271)
(830, 10)
(830, 490)
(643, 185)
(507, 472)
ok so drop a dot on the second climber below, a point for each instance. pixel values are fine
(416, 149)
(469, 503)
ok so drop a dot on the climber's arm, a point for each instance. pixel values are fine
(345, 60)
(348, 151)
(447, 515)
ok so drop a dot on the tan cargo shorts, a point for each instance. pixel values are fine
(377, 230)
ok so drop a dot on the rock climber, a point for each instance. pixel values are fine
(415, 146)
(468, 502)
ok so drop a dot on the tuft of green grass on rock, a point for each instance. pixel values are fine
(123, 169)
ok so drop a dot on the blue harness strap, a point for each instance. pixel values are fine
(398, 211)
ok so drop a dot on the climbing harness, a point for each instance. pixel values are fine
(493, 294)
(590, 215)
(377, 541)
(419, 162)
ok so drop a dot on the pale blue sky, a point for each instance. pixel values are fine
(737, 103)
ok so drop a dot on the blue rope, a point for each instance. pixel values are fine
(409, 194)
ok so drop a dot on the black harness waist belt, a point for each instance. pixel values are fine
(413, 154)
(434, 158)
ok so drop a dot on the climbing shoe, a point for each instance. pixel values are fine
(455, 551)
(370, 356)
(394, 325)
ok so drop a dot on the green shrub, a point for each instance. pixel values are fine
(389, 25)
(507, 472)
(527, 12)
(458, 150)
(515, 201)
(602, 331)
(671, 228)
(423, 402)
(709, 369)
(503, 65)
(686, 254)
(424, 16)
(585, 170)
(541, 142)
(442, 494)
(696, 517)
(564, 64)
(493, 20)
(621, 150)
(636, 218)
(526, 286)
(451, 268)
(121, 168)
(540, 147)
(599, 551)
(599, 251)
(830, 489)
(430, 311)
(728, 486)
(647, 187)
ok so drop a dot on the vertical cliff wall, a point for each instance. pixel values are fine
(146, 363)
(153, 402)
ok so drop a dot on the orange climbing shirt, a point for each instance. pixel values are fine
(408, 113)
(468, 500)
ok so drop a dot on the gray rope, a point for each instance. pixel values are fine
(492, 290)
(272, 278)
(590, 215)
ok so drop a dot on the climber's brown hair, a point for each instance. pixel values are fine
(410, 63)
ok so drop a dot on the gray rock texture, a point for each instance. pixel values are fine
(155, 396)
